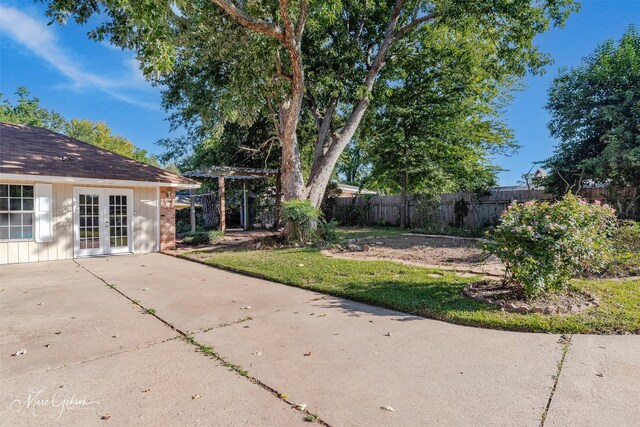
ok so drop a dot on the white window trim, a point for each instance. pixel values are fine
(33, 216)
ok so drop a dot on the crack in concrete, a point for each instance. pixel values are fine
(103, 356)
(565, 340)
(208, 351)
(221, 325)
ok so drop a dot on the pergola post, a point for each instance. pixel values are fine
(278, 202)
(245, 210)
(223, 224)
(192, 210)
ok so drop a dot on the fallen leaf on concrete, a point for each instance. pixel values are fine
(308, 354)
(300, 406)
(246, 307)
(283, 395)
(20, 352)
(387, 408)
(196, 396)
(322, 315)
(105, 417)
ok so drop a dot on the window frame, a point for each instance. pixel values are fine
(21, 212)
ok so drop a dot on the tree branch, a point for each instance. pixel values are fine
(279, 71)
(302, 20)
(323, 130)
(416, 22)
(286, 20)
(249, 22)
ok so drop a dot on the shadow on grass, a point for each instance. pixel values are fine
(410, 293)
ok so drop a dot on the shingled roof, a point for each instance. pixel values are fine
(35, 152)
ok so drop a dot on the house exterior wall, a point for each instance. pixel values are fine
(167, 218)
(145, 223)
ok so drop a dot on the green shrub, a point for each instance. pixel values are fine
(327, 231)
(202, 237)
(543, 244)
(300, 219)
(624, 256)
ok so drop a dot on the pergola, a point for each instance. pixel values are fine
(229, 172)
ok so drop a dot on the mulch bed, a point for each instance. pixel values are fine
(431, 250)
(509, 297)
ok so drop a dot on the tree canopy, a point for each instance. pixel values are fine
(595, 113)
(28, 111)
(433, 129)
(300, 62)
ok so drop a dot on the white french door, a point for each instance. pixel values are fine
(102, 221)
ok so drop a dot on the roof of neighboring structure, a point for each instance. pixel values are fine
(355, 189)
(32, 151)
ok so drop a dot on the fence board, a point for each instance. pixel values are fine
(483, 210)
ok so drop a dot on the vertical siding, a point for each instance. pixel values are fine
(144, 217)
(144, 205)
(146, 231)
(138, 218)
(4, 254)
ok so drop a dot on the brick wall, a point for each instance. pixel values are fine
(167, 218)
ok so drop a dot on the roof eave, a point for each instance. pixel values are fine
(95, 181)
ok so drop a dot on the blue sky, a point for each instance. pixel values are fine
(81, 78)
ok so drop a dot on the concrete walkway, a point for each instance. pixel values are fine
(344, 360)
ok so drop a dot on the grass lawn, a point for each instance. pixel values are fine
(429, 292)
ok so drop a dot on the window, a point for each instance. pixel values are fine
(16, 212)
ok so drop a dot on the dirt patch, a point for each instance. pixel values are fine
(461, 253)
(510, 297)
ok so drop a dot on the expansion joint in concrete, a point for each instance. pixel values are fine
(565, 341)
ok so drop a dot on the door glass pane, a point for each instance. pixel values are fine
(89, 228)
(118, 236)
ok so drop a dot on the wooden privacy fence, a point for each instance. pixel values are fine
(469, 210)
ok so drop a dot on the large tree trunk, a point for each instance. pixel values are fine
(328, 148)
(291, 166)
(210, 211)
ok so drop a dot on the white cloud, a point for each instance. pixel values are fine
(40, 40)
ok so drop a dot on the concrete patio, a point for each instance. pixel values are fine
(108, 359)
